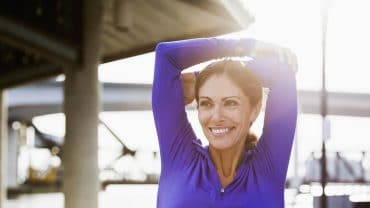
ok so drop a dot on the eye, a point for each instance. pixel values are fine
(231, 103)
(205, 104)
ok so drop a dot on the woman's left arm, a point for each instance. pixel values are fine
(274, 147)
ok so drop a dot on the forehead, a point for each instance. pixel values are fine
(219, 86)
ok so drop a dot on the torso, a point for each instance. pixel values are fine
(199, 185)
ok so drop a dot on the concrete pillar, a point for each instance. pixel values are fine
(12, 156)
(81, 107)
(3, 149)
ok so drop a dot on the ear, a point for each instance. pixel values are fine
(256, 111)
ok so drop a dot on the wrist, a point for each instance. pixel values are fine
(245, 47)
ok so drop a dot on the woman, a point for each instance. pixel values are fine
(228, 173)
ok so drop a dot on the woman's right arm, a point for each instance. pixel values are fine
(174, 132)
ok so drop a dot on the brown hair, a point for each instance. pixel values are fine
(242, 77)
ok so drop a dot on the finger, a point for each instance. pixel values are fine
(295, 62)
(281, 55)
(285, 56)
(289, 57)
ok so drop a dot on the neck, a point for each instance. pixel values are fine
(227, 161)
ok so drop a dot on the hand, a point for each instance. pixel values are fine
(268, 50)
(188, 85)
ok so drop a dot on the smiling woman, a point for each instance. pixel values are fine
(225, 113)
(229, 100)
(228, 93)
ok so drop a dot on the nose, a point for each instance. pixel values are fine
(218, 114)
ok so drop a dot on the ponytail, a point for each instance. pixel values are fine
(250, 142)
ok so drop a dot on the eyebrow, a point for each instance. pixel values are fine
(225, 98)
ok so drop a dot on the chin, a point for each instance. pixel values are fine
(220, 145)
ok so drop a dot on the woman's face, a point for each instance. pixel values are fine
(224, 112)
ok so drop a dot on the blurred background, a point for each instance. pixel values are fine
(75, 86)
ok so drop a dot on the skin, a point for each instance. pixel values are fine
(225, 115)
(188, 85)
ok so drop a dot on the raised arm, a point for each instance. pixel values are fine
(173, 129)
(274, 147)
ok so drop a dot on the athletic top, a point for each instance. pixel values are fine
(188, 176)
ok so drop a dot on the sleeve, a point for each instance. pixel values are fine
(174, 132)
(274, 147)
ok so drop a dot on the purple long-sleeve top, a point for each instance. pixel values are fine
(188, 175)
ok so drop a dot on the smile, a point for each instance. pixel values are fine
(219, 131)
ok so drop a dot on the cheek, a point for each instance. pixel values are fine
(200, 119)
(241, 116)
(203, 117)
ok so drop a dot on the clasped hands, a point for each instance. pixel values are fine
(260, 50)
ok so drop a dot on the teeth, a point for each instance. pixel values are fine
(220, 131)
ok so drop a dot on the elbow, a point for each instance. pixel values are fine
(162, 47)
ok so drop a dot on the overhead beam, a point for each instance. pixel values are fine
(25, 75)
(239, 13)
(41, 99)
(203, 22)
(224, 8)
(339, 103)
(25, 37)
(27, 102)
(146, 48)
